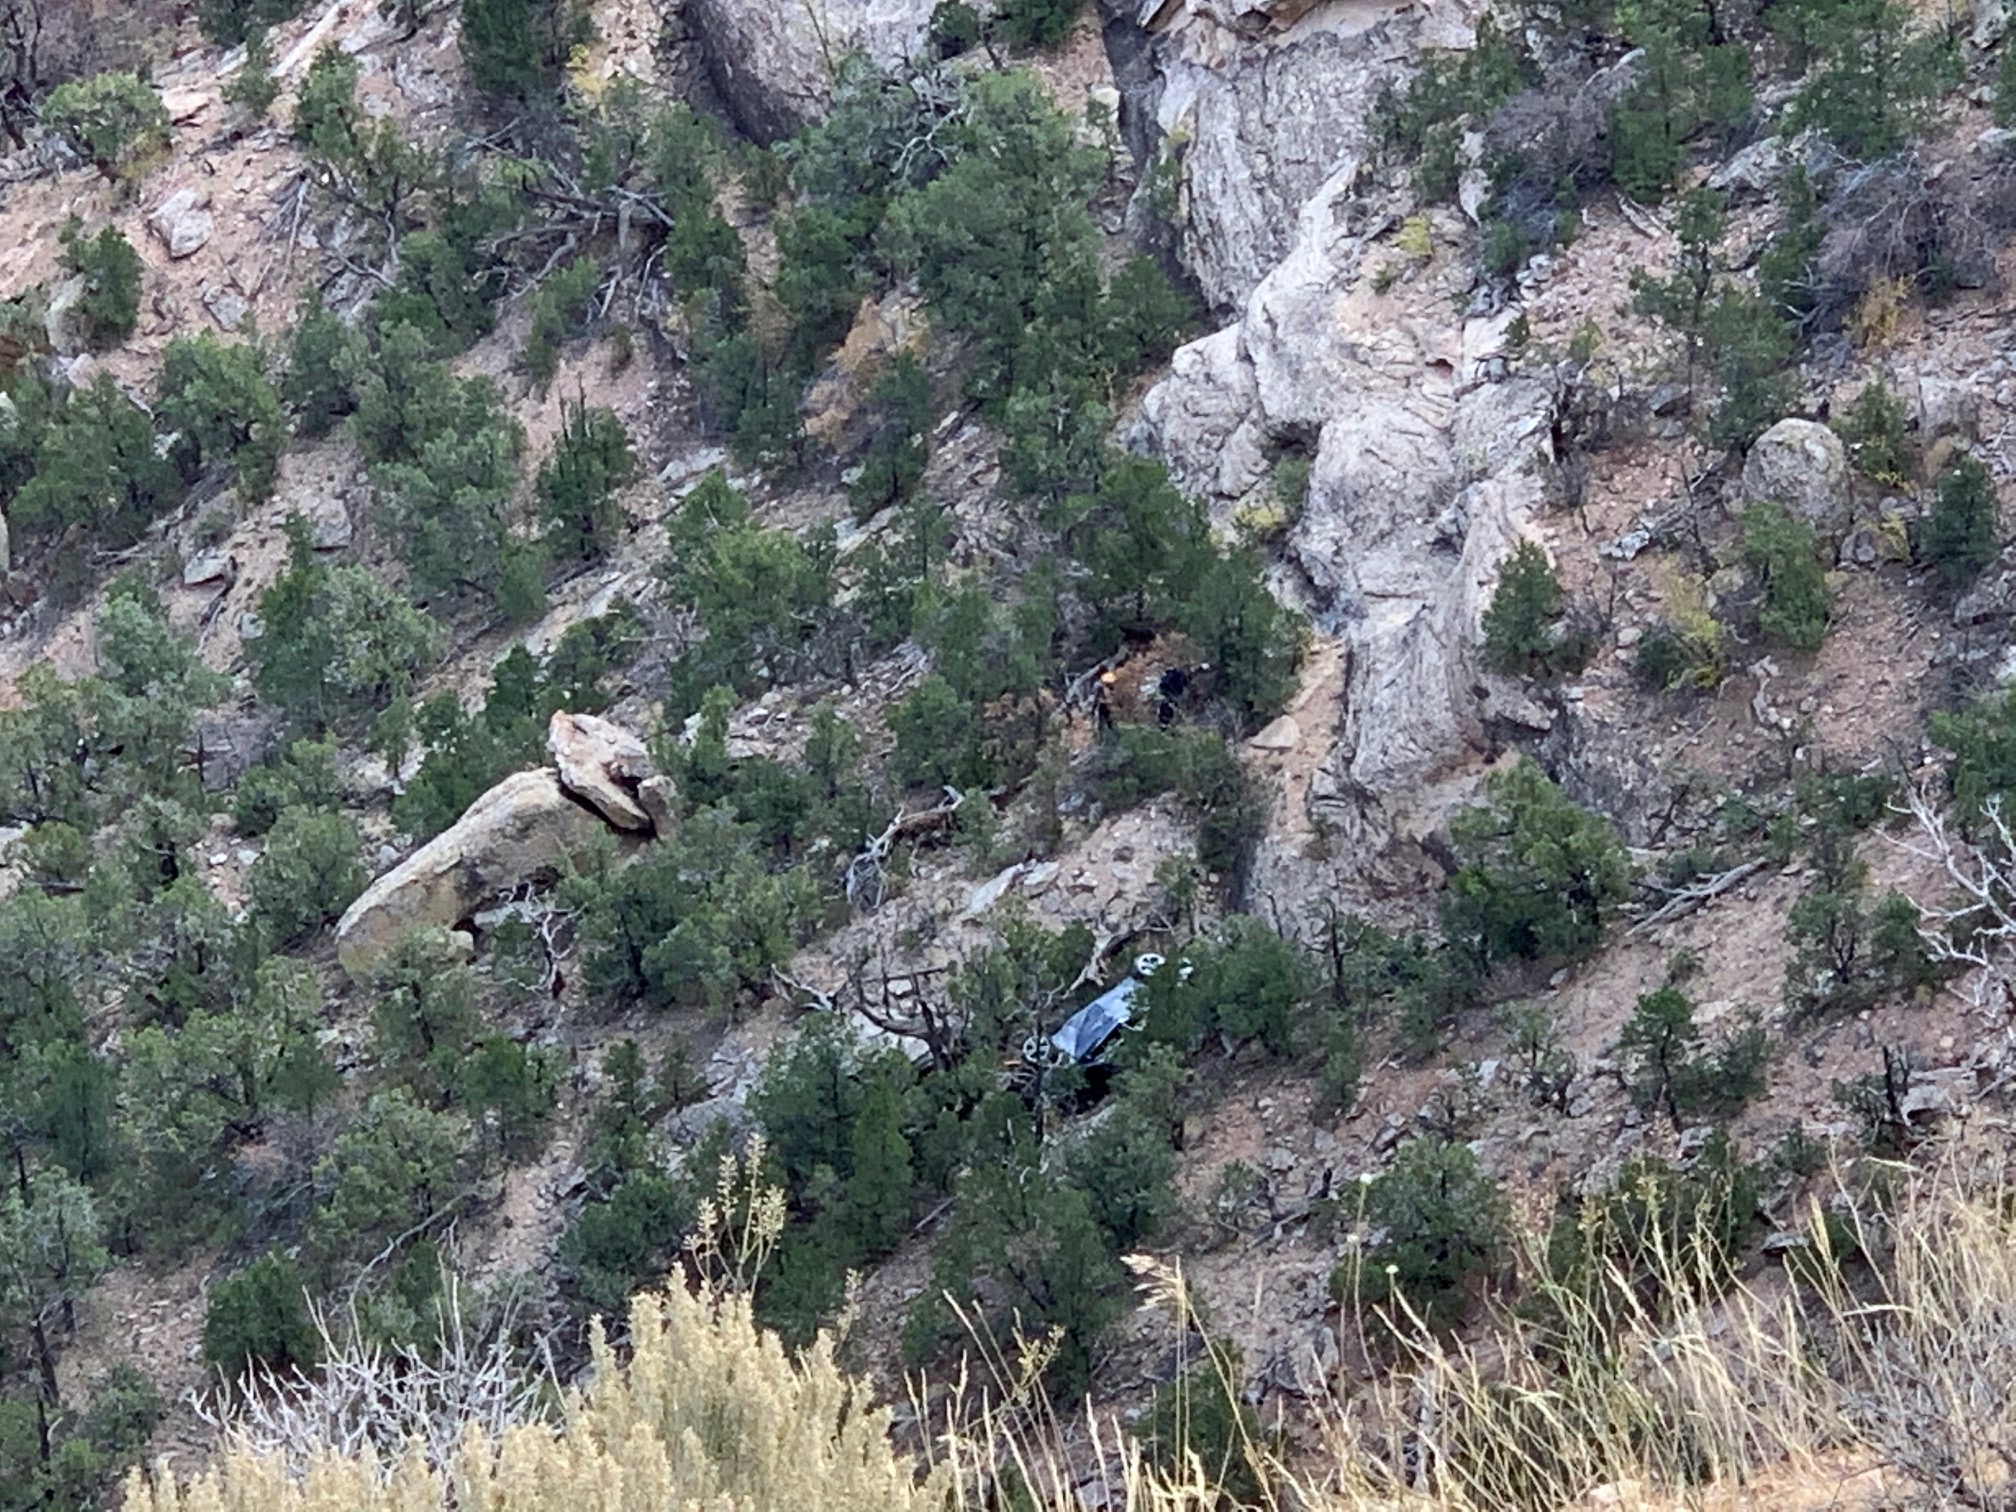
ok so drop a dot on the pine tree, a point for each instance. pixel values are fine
(877, 1197)
(1962, 534)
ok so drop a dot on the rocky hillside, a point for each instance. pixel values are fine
(904, 655)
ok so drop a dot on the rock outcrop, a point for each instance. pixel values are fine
(524, 829)
(1420, 486)
(1264, 100)
(604, 766)
(773, 60)
(1802, 465)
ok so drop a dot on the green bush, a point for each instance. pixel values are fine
(1879, 76)
(519, 49)
(561, 310)
(955, 28)
(1691, 84)
(627, 1241)
(395, 1167)
(1522, 637)
(1670, 658)
(322, 355)
(577, 485)
(697, 920)
(1847, 951)
(510, 1089)
(1248, 984)
(1656, 1238)
(304, 775)
(96, 468)
(1874, 432)
(336, 644)
(1435, 1225)
(229, 22)
(1784, 553)
(1024, 1244)
(217, 402)
(1671, 1067)
(1133, 763)
(1035, 23)
(311, 870)
(259, 1316)
(1202, 1417)
(110, 268)
(253, 89)
(1982, 739)
(764, 597)
(451, 506)
(1962, 534)
(115, 120)
(368, 163)
(1539, 877)
(893, 466)
(423, 1014)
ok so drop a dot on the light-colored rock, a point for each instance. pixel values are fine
(1267, 129)
(1947, 407)
(772, 60)
(1284, 734)
(228, 309)
(329, 527)
(525, 828)
(185, 105)
(1802, 465)
(1754, 172)
(62, 319)
(183, 222)
(601, 764)
(1421, 484)
(206, 567)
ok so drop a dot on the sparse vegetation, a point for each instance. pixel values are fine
(1004, 726)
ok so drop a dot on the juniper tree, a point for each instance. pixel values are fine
(1962, 534)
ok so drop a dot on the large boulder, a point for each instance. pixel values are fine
(524, 829)
(773, 60)
(1802, 465)
(602, 765)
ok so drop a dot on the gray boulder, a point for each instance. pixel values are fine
(1802, 465)
(773, 60)
(524, 829)
(183, 222)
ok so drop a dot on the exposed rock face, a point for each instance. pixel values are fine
(1418, 491)
(603, 765)
(773, 60)
(1268, 98)
(62, 317)
(522, 829)
(1802, 465)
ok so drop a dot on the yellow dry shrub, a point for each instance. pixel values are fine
(709, 1414)
(1416, 238)
(1872, 324)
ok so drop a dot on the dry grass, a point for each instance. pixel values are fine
(1873, 1370)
